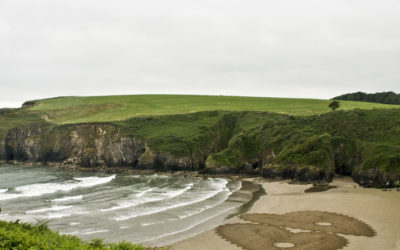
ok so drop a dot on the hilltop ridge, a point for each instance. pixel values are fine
(67, 110)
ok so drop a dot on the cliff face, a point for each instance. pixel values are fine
(22, 144)
(88, 145)
(91, 145)
(272, 146)
(85, 145)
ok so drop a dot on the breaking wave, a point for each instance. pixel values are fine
(34, 190)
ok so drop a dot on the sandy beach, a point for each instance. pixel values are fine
(366, 219)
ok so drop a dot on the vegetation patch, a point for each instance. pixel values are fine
(16, 235)
(381, 97)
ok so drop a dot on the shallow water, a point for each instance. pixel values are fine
(150, 209)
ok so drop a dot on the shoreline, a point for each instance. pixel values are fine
(377, 208)
(248, 187)
(239, 201)
(130, 170)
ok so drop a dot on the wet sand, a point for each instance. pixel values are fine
(346, 217)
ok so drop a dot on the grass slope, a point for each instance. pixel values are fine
(20, 236)
(67, 110)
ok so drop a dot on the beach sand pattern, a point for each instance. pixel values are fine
(260, 236)
(316, 221)
(271, 231)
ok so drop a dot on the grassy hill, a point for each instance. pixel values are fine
(68, 110)
(290, 138)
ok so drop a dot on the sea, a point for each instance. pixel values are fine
(153, 210)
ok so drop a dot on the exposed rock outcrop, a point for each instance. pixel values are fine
(2, 150)
(91, 145)
(23, 144)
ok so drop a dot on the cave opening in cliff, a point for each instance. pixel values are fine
(342, 167)
(9, 156)
(344, 163)
(343, 170)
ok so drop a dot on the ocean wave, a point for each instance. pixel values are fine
(159, 196)
(53, 208)
(88, 232)
(148, 211)
(49, 188)
(176, 193)
(56, 215)
(144, 192)
(194, 212)
(198, 211)
(61, 215)
(3, 190)
(130, 203)
(68, 198)
(191, 226)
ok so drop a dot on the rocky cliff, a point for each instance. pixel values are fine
(265, 144)
(89, 145)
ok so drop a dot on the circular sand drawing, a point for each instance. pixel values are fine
(257, 236)
(271, 232)
(331, 222)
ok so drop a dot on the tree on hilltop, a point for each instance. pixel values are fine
(334, 105)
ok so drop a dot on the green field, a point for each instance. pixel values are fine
(67, 110)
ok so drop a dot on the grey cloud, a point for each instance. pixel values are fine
(291, 48)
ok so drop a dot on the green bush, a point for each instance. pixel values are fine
(22, 236)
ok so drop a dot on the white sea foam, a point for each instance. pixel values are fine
(121, 205)
(3, 190)
(130, 203)
(65, 214)
(47, 209)
(159, 197)
(191, 213)
(148, 224)
(56, 215)
(144, 192)
(191, 226)
(87, 232)
(221, 187)
(175, 193)
(48, 188)
(74, 223)
(68, 198)
(198, 211)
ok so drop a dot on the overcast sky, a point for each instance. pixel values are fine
(282, 48)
